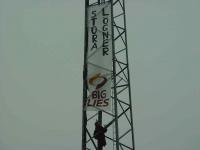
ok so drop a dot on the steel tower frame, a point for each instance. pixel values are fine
(119, 121)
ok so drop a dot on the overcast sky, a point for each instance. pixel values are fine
(41, 59)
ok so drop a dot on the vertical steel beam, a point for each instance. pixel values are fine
(114, 84)
(100, 112)
(84, 113)
(100, 121)
(128, 73)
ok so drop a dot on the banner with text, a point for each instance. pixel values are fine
(99, 57)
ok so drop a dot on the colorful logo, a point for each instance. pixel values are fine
(98, 80)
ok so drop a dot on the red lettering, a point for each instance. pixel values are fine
(99, 102)
(91, 102)
(99, 94)
(105, 102)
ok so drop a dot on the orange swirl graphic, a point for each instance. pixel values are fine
(95, 77)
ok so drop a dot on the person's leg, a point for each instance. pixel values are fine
(100, 146)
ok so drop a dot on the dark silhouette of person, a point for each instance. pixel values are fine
(99, 135)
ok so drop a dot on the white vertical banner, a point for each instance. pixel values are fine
(99, 57)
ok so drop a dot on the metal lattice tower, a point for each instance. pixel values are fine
(119, 121)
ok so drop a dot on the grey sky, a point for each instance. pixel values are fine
(41, 58)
